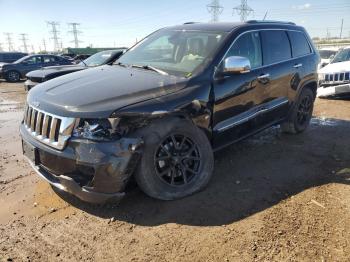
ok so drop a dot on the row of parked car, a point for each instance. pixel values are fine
(40, 68)
(334, 73)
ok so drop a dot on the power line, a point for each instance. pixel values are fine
(55, 33)
(243, 10)
(9, 41)
(24, 41)
(215, 9)
(75, 33)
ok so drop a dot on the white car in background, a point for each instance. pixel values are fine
(334, 79)
(326, 56)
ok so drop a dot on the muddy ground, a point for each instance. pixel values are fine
(273, 197)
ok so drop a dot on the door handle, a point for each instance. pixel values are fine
(298, 65)
(264, 76)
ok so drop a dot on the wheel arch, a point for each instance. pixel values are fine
(311, 84)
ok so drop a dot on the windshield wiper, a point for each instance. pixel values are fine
(120, 64)
(82, 61)
(148, 67)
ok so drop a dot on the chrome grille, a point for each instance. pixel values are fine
(337, 78)
(49, 129)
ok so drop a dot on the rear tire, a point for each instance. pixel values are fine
(13, 76)
(301, 114)
(177, 159)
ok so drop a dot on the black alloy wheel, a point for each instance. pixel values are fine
(177, 160)
(301, 114)
(304, 110)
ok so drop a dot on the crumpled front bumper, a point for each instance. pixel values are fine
(94, 172)
(337, 90)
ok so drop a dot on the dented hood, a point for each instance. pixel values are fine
(100, 91)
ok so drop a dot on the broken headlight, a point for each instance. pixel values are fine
(97, 129)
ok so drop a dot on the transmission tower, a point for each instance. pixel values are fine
(75, 33)
(24, 42)
(215, 9)
(243, 10)
(9, 41)
(54, 33)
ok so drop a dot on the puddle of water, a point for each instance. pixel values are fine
(322, 121)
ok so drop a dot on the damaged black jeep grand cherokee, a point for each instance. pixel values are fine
(161, 110)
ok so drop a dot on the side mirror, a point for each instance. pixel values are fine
(236, 64)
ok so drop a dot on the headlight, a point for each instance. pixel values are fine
(321, 76)
(97, 129)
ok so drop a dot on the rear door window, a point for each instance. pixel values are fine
(49, 59)
(300, 45)
(276, 46)
(34, 60)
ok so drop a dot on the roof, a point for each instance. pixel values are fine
(226, 26)
(221, 26)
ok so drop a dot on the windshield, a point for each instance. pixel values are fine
(175, 52)
(97, 59)
(21, 59)
(343, 55)
(325, 54)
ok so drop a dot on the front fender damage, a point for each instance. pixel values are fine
(113, 163)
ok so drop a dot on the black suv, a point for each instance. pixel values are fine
(158, 114)
(18, 69)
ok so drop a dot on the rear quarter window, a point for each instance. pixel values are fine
(276, 46)
(300, 45)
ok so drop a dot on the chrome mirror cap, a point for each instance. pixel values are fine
(236, 64)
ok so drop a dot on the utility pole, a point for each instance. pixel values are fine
(243, 10)
(9, 41)
(75, 33)
(24, 41)
(328, 35)
(54, 32)
(341, 28)
(44, 44)
(215, 9)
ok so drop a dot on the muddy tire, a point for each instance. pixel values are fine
(301, 114)
(177, 160)
(13, 76)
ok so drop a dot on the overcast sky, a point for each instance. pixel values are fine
(109, 23)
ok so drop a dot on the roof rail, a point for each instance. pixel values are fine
(190, 23)
(269, 21)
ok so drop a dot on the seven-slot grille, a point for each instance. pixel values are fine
(50, 129)
(337, 77)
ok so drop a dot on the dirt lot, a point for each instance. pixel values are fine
(273, 197)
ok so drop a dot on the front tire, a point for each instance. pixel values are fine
(13, 76)
(301, 114)
(177, 160)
